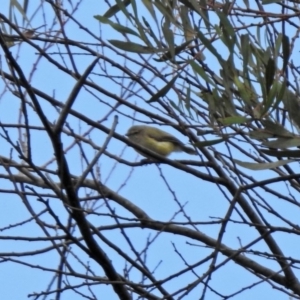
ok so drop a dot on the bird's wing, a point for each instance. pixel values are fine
(166, 138)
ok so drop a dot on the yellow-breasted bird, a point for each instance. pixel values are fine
(156, 140)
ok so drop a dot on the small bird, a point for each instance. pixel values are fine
(156, 140)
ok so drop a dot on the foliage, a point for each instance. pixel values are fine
(101, 221)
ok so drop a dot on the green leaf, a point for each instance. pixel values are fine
(208, 143)
(282, 143)
(175, 106)
(246, 3)
(245, 50)
(262, 166)
(229, 105)
(139, 26)
(234, 120)
(270, 73)
(208, 44)
(116, 26)
(21, 10)
(197, 6)
(281, 88)
(282, 153)
(203, 12)
(188, 99)
(133, 47)
(134, 7)
(228, 72)
(285, 51)
(278, 43)
(276, 129)
(163, 91)
(244, 91)
(165, 11)
(169, 36)
(148, 4)
(188, 30)
(292, 105)
(121, 5)
(200, 71)
(258, 34)
(168, 55)
(260, 134)
(151, 33)
(271, 97)
(264, 2)
(228, 36)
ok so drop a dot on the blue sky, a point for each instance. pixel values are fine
(160, 191)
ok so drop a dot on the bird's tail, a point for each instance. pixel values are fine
(189, 150)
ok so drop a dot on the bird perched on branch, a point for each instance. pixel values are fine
(156, 140)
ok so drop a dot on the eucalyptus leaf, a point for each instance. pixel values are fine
(276, 129)
(116, 26)
(207, 43)
(260, 134)
(200, 71)
(163, 91)
(234, 120)
(282, 153)
(168, 55)
(133, 47)
(245, 50)
(282, 143)
(264, 2)
(208, 143)
(262, 166)
(285, 51)
(169, 36)
(292, 105)
(228, 36)
(188, 30)
(121, 5)
(270, 73)
(149, 5)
